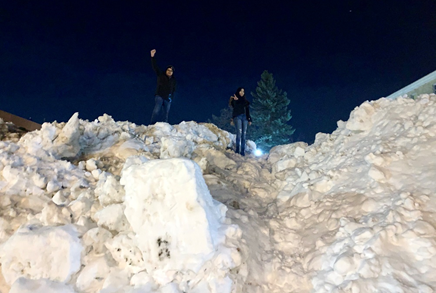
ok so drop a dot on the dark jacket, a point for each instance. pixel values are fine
(240, 106)
(166, 86)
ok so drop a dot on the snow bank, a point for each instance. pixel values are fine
(107, 206)
(359, 201)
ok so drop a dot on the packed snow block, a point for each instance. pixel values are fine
(170, 209)
(23, 285)
(41, 252)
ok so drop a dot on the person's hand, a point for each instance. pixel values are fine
(249, 123)
(231, 122)
(235, 98)
(152, 52)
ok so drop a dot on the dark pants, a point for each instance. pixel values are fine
(241, 124)
(160, 103)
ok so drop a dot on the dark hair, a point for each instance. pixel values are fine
(237, 93)
(170, 66)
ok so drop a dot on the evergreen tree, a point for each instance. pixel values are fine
(270, 114)
(223, 121)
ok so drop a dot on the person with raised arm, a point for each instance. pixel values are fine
(166, 86)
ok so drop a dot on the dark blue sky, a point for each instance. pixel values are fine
(92, 57)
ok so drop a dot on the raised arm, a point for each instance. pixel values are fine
(154, 63)
(232, 99)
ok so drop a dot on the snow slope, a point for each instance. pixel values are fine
(106, 206)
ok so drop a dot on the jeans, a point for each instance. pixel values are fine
(160, 103)
(241, 124)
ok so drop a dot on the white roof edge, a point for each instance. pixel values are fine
(413, 85)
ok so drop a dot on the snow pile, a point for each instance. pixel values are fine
(107, 206)
(358, 205)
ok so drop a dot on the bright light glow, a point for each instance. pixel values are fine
(258, 152)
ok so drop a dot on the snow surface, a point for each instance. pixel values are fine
(107, 206)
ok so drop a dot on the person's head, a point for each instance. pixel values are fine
(240, 92)
(169, 71)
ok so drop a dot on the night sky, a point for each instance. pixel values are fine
(93, 57)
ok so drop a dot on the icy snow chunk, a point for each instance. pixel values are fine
(91, 165)
(378, 174)
(374, 159)
(299, 152)
(60, 198)
(15, 181)
(322, 184)
(124, 250)
(53, 214)
(53, 185)
(23, 285)
(281, 165)
(96, 173)
(82, 204)
(196, 132)
(424, 228)
(97, 237)
(218, 159)
(109, 189)
(176, 147)
(66, 144)
(286, 151)
(54, 254)
(172, 212)
(134, 161)
(92, 276)
(130, 147)
(360, 118)
(112, 217)
(202, 162)
(115, 281)
(160, 129)
(142, 281)
(39, 180)
(4, 230)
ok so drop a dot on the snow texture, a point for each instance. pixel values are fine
(106, 206)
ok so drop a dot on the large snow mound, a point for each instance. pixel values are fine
(106, 206)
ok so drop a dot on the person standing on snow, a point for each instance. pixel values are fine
(241, 118)
(166, 86)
